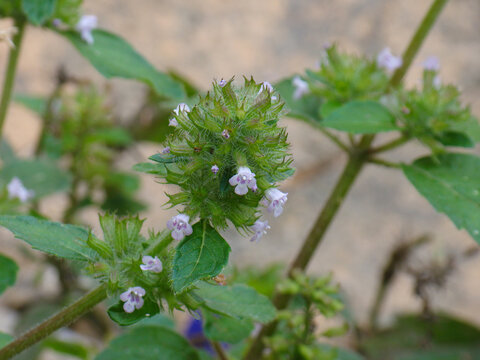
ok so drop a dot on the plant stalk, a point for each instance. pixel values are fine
(10, 71)
(57, 321)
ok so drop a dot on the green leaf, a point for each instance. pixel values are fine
(8, 272)
(150, 168)
(451, 183)
(149, 343)
(123, 318)
(112, 56)
(66, 241)
(328, 107)
(453, 138)
(201, 255)
(38, 11)
(361, 117)
(35, 103)
(226, 328)
(73, 349)
(5, 339)
(111, 136)
(238, 301)
(41, 176)
(167, 159)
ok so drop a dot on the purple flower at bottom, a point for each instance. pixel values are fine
(243, 180)
(275, 200)
(132, 299)
(260, 228)
(214, 169)
(180, 226)
(151, 264)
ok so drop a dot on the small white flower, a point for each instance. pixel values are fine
(222, 83)
(7, 35)
(181, 107)
(166, 150)
(151, 264)
(180, 226)
(85, 26)
(301, 87)
(275, 200)
(388, 61)
(173, 122)
(243, 180)
(132, 299)
(16, 189)
(431, 64)
(260, 228)
(215, 169)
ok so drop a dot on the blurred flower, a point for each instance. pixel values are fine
(275, 200)
(214, 169)
(243, 180)
(173, 122)
(179, 226)
(132, 299)
(388, 61)
(166, 150)
(431, 63)
(7, 35)
(85, 26)
(260, 228)
(151, 264)
(16, 189)
(301, 87)
(222, 83)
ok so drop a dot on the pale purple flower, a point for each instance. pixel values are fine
(260, 228)
(222, 83)
(173, 122)
(225, 134)
(182, 107)
(214, 169)
(387, 60)
(301, 87)
(151, 264)
(132, 299)
(431, 63)
(275, 200)
(85, 26)
(166, 150)
(243, 180)
(180, 226)
(16, 189)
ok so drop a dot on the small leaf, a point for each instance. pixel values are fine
(361, 117)
(450, 182)
(38, 11)
(123, 318)
(239, 301)
(66, 241)
(112, 56)
(201, 255)
(8, 272)
(5, 339)
(226, 328)
(149, 343)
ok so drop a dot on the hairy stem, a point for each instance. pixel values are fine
(61, 319)
(10, 72)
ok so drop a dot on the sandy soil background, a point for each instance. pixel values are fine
(208, 39)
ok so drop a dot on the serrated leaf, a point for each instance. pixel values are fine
(38, 11)
(149, 343)
(66, 241)
(123, 318)
(451, 183)
(8, 272)
(201, 255)
(239, 301)
(5, 339)
(361, 117)
(226, 328)
(112, 56)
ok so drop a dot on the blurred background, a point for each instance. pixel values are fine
(271, 39)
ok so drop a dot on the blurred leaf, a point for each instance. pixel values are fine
(8, 272)
(35, 103)
(342, 353)
(66, 241)
(361, 117)
(149, 343)
(336, 331)
(238, 301)
(451, 183)
(6, 152)
(201, 255)
(38, 11)
(452, 138)
(111, 136)
(150, 168)
(190, 88)
(42, 176)
(5, 339)
(75, 349)
(226, 328)
(328, 107)
(114, 57)
(157, 320)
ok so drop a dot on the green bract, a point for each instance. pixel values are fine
(230, 127)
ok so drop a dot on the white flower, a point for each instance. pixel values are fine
(181, 107)
(16, 189)
(275, 200)
(301, 87)
(85, 26)
(132, 299)
(7, 35)
(260, 228)
(214, 169)
(243, 179)
(431, 63)
(151, 264)
(180, 226)
(388, 61)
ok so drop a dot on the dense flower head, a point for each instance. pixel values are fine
(231, 132)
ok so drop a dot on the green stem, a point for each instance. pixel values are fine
(61, 319)
(10, 72)
(385, 163)
(329, 135)
(390, 145)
